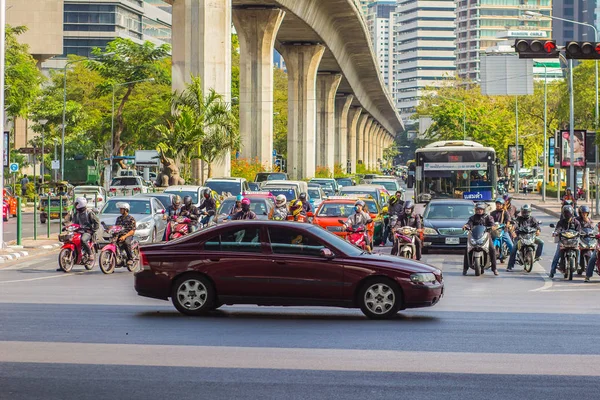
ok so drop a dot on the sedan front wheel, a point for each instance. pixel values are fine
(379, 298)
(193, 294)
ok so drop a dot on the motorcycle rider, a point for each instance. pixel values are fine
(584, 220)
(360, 218)
(480, 218)
(409, 218)
(190, 211)
(508, 206)
(172, 212)
(89, 223)
(296, 209)
(128, 223)
(566, 222)
(523, 221)
(569, 196)
(245, 213)
(306, 207)
(589, 271)
(237, 207)
(394, 208)
(280, 212)
(502, 216)
(208, 207)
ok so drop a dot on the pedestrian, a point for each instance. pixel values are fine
(524, 184)
(24, 183)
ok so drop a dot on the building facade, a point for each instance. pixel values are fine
(424, 50)
(576, 10)
(481, 24)
(380, 21)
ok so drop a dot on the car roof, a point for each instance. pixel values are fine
(225, 179)
(122, 198)
(87, 187)
(185, 187)
(362, 187)
(451, 201)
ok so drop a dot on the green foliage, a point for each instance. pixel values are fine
(280, 111)
(323, 172)
(23, 79)
(339, 171)
(361, 169)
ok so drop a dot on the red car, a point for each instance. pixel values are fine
(5, 211)
(281, 264)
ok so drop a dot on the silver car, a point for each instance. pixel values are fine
(148, 214)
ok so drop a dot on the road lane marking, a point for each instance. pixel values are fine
(61, 275)
(299, 359)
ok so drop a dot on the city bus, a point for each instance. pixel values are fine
(456, 169)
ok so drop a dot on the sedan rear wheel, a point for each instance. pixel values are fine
(379, 298)
(193, 294)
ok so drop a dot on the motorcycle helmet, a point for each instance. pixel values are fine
(480, 206)
(526, 211)
(392, 200)
(584, 209)
(302, 197)
(296, 207)
(409, 207)
(567, 212)
(123, 205)
(569, 191)
(359, 203)
(280, 200)
(81, 203)
(507, 198)
(176, 202)
(187, 201)
(206, 193)
(239, 198)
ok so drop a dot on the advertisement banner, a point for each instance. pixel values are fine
(512, 155)
(565, 149)
(479, 195)
(590, 149)
(551, 152)
(453, 166)
(6, 149)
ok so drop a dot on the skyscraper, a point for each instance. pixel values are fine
(484, 23)
(576, 10)
(380, 21)
(424, 50)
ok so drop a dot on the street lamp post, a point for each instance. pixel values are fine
(112, 119)
(464, 104)
(55, 155)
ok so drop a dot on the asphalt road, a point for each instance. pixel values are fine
(88, 336)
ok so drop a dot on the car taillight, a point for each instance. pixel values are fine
(113, 189)
(99, 199)
(144, 262)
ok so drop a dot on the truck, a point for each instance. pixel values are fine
(82, 172)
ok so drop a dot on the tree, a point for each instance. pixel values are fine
(23, 79)
(280, 110)
(124, 61)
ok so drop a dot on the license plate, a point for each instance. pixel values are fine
(54, 215)
(452, 240)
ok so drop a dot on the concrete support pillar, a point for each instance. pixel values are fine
(360, 137)
(257, 30)
(201, 37)
(327, 85)
(353, 127)
(368, 138)
(302, 63)
(342, 106)
(379, 145)
(371, 145)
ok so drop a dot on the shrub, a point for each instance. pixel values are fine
(244, 168)
(339, 171)
(322, 172)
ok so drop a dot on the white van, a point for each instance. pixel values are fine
(299, 186)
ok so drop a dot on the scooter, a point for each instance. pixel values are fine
(478, 257)
(71, 252)
(113, 255)
(526, 247)
(587, 244)
(404, 241)
(356, 236)
(499, 244)
(177, 227)
(569, 245)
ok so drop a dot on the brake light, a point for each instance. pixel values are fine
(99, 199)
(113, 189)
(144, 262)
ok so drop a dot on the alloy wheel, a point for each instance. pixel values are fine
(192, 294)
(379, 298)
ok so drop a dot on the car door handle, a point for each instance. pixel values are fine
(215, 259)
(280, 262)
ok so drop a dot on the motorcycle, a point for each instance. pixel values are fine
(499, 244)
(478, 257)
(569, 246)
(404, 241)
(587, 244)
(298, 218)
(526, 247)
(356, 236)
(177, 227)
(113, 255)
(71, 252)
(501, 188)
(393, 221)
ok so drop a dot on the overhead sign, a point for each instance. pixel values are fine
(505, 74)
(14, 167)
(453, 166)
(523, 34)
(578, 151)
(146, 158)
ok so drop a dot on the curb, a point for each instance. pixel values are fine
(45, 247)
(546, 210)
(13, 256)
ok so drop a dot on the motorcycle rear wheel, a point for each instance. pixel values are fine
(136, 257)
(107, 262)
(528, 263)
(66, 260)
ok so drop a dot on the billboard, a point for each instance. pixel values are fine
(6, 149)
(590, 149)
(512, 155)
(551, 152)
(505, 74)
(565, 149)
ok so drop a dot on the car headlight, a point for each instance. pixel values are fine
(143, 225)
(430, 231)
(423, 277)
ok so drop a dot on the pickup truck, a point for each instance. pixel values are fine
(127, 185)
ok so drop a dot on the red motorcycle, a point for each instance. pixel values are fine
(177, 227)
(356, 236)
(113, 255)
(71, 252)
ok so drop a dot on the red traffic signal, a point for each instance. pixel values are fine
(536, 48)
(583, 50)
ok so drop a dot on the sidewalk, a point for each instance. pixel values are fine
(28, 248)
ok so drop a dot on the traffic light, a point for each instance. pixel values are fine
(583, 50)
(536, 48)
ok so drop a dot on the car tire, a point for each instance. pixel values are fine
(379, 298)
(193, 294)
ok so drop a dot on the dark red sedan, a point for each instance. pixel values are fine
(281, 264)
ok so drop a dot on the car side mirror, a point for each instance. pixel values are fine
(552, 226)
(310, 214)
(326, 253)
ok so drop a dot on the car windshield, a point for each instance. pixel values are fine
(344, 209)
(183, 193)
(314, 193)
(125, 181)
(290, 194)
(390, 186)
(344, 182)
(258, 206)
(220, 187)
(461, 212)
(163, 199)
(269, 177)
(372, 193)
(136, 207)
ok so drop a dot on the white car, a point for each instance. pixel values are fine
(127, 185)
(233, 186)
(96, 195)
(194, 191)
